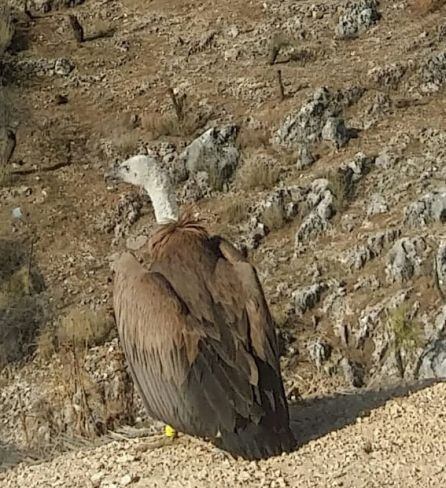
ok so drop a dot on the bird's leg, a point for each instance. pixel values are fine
(169, 435)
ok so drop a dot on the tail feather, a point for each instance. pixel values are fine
(256, 441)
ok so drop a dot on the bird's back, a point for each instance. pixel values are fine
(233, 386)
(222, 289)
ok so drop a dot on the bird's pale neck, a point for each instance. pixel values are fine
(163, 201)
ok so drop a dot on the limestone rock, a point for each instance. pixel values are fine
(305, 158)
(433, 72)
(307, 297)
(335, 131)
(215, 153)
(405, 259)
(358, 17)
(319, 351)
(433, 361)
(431, 207)
(377, 205)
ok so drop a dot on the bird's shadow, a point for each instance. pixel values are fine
(315, 417)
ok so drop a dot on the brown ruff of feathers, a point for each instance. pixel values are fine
(187, 225)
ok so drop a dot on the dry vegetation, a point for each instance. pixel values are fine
(5, 176)
(424, 7)
(185, 120)
(79, 328)
(273, 218)
(406, 331)
(253, 138)
(77, 404)
(84, 328)
(235, 211)
(22, 303)
(257, 175)
(6, 28)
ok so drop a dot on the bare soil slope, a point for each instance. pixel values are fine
(337, 194)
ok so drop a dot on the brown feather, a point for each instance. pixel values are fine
(200, 340)
(186, 226)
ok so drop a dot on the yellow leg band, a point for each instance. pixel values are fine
(170, 431)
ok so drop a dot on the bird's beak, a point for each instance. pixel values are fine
(111, 175)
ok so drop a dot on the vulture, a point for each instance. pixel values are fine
(197, 332)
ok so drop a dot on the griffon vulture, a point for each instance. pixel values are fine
(197, 332)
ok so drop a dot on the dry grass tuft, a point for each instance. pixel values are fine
(423, 7)
(406, 332)
(19, 284)
(257, 175)
(168, 125)
(6, 28)
(126, 143)
(5, 176)
(340, 186)
(185, 120)
(234, 212)
(46, 344)
(82, 327)
(253, 138)
(273, 218)
(22, 308)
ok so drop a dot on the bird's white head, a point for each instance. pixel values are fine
(145, 171)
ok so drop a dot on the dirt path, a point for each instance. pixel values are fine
(401, 443)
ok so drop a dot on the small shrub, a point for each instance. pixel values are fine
(253, 138)
(273, 217)
(46, 345)
(170, 125)
(185, 120)
(340, 186)
(5, 176)
(126, 143)
(257, 175)
(235, 212)
(83, 327)
(406, 332)
(6, 28)
(278, 42)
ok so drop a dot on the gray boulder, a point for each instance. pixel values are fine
(433, 72)
(357, 18)
(433, 361)
(306, 297)
(353, 372)
(305, 157)
(405, 259)
(319, 352)
(335, 131)
(378, 241)
(63, 66)
(440, 266)
(357, 257)
(429, 208)
(215, 153)
(306, 126)
(317, 221)
(358, 167)
(377, 205)
(388, 76)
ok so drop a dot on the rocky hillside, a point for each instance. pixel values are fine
(310, 133)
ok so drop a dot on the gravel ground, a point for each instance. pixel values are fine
(400, 443)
